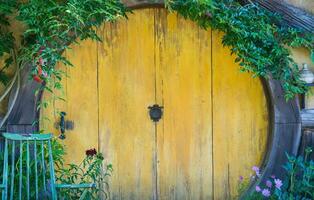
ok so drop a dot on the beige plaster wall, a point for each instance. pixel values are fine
(301, 55)
(307, 5)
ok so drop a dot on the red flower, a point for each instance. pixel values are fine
(37, 79)
(40, 71)
(91, 152)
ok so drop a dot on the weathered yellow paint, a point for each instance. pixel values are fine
(215, 122)
(80, 93)
(240, 121)
(184, 136)
(126, 89)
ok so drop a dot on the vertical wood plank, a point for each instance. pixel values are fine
(126, 89)
(240, 121)
(183, 62)
(81, 99)
(81, 102)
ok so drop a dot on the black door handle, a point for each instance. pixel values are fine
(62, 125)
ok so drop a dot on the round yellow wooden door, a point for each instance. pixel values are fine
(214, 125)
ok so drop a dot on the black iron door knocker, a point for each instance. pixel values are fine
(155, 112)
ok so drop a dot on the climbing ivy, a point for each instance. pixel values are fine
(6, 38)
(54, 25)
(51, 26)
(259, 38)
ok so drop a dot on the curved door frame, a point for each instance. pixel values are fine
(284, 122)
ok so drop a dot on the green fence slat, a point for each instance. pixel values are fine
(36, 175)
(5, 171)
(21, 170)
(52, 173)
(27, 170)
(27, 137)
(39, 141)
(12, 170)
(43, 165)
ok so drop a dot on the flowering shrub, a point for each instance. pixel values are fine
(91, 152)
(298, 183)
(89, 171)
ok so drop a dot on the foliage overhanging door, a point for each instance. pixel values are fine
(215, 122)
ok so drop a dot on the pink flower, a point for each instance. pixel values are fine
(255, 168)
(266, 193)
(258, 189)
(241, 178)
(257, 171)
(278, 183)
(273, 176)
(269, 183)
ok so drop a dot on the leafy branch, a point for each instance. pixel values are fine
(254, 35)
(6, 38)
(54, 25)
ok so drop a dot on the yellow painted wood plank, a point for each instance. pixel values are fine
(240, 121)
(183, 57)
(81, 102)
(126, 89)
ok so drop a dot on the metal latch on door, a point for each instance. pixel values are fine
(64, 125)
(155, 112)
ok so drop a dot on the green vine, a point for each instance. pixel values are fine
(52, 25)
(258, 38)
(254, 35)
(6, 39)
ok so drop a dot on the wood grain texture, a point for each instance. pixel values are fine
(81, 102)
(134, 4)
(126, 89)
(215, 121)
(184, 136)
(292, 16)
(293, 11)
(307, 140)
(240, 121)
